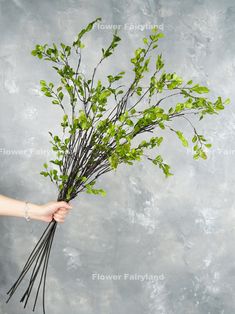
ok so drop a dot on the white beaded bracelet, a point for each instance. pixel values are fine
(26, 212)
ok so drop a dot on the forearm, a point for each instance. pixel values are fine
(16, 208)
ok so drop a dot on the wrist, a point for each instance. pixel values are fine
(33, 210)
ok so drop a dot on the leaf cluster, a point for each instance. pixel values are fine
(100, 130)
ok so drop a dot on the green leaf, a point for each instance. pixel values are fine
(182, 138)
(163, 166)
(83, 31)
(145, 40)
(219, 104)
(43, 83)
(61, 96)
(83, 179)
(44, 173)
(203, 155)
(109, 51)
(34, 52)
(199, 89)
(57, 162)
(159, 63)
(102, 192)
(56, 139)
(48, 94)
(69, 192)
(55, 102)
(227, 101)
(114, 160)
(194, 139)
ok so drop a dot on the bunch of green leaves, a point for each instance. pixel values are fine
(99, 129)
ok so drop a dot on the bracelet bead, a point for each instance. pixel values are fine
(26, 212)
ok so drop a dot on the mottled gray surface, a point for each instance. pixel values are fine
(182, 229)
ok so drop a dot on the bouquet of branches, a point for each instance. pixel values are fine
(102, 123)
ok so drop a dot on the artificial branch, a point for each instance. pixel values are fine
(98, 129)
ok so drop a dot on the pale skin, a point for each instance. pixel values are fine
(45, 212)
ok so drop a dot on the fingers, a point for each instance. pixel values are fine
(63, 211)
(58, 217)
(58, 210)
(60, 214)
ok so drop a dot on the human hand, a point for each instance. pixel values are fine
(46, 212)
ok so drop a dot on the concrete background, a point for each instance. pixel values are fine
(180, 230)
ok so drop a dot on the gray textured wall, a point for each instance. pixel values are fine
(180, 230)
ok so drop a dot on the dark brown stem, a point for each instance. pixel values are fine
(38, 257)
